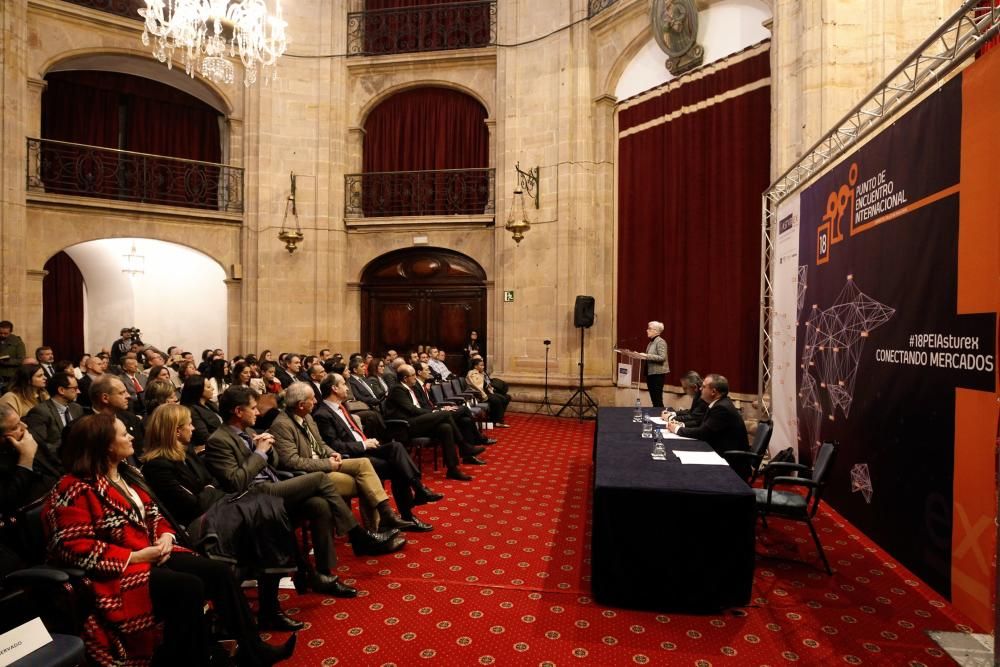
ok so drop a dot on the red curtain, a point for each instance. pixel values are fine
(62, 307)
(689, 222)
(448, 25)
(420, 130)
(115, 110)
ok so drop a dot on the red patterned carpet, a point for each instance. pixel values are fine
(504, 580)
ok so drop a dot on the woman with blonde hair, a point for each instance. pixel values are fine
(192, 497)
(27, 390)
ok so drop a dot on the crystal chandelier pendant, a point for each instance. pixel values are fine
(204, 30)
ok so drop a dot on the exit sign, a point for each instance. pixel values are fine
(508, 296)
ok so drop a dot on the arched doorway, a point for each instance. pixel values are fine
(422, 296)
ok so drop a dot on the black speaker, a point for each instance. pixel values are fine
(583, 312)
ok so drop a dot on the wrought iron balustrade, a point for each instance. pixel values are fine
(127, 8)
(595, 7)
(61, 167)
(452, 25)
(409, 193)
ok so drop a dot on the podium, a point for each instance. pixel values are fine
(629, 368)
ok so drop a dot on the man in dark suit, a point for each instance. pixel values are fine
(461, 416)
(47, 420)
(286, 372)
(722, 428)
(46, 357)
(108, 396)
(243, 460)
(11, 352)
(403, 403)
(691, 383)
(390, 459)
(362, 392)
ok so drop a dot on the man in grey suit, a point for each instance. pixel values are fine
(135, 383)
(47, 420)
(243, 460)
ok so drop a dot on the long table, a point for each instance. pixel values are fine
(666, 536)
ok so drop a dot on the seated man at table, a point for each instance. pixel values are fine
(722, 428)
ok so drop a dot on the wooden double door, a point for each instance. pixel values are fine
(425, 296)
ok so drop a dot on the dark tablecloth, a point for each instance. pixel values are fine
(667, 536)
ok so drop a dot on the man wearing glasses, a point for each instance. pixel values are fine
(48, 419)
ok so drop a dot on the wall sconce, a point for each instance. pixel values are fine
(527, 181)
(291, 237)
(517, 219)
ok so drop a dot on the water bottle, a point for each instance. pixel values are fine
(647, 428)
(637, 417)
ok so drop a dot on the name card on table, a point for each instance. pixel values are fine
(22, 640)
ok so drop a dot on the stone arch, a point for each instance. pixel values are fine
(423, 295)
(140, 63)
(383, 95)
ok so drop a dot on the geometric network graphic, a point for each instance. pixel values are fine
(831, 354)
(803, 283)
(861, 480)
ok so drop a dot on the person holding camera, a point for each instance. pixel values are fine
(122, 346)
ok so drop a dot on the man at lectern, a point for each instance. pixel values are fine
(656, 362)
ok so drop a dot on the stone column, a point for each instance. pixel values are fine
(13, 55)
(30, 328)
(234, 305)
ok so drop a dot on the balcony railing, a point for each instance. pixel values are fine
(127, 8)
(60, 167)
(453, 25)
(411, 193)
(595, 7)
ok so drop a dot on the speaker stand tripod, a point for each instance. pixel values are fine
(580, 402)
(546, 404)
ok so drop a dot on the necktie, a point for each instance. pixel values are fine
(135, 383)
(65, 417)
(265, 475)
(312, 441)
(358, 433)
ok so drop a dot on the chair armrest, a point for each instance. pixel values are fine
(740, 454)
(786, 467)
(453, 401)
(37, 575)
(399, 423)
(288, 474)
(791, 481)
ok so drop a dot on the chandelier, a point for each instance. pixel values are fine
(206, 33)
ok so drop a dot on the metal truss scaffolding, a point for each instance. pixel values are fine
(958, 38)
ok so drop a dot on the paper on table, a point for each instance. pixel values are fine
(701, 458)
(667, 435)
(658, 421)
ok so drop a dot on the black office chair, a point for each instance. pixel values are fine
(399, 429)
(792, 505)
(754, 457)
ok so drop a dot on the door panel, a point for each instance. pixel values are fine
(426, 296)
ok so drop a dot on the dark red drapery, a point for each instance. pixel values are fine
(114, 110)
(426, 128)
(689, 219)
(421, 130)
(62, 307)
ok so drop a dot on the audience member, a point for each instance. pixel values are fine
(485, 392)
(108, 396)
(187, 491)
(48, 419)
(243, 460)
(461, 416)
(135, 383)
(159, 392)
(287, 373)
(402, 403)
(217, 378)
(28, 468)
(27, 389)
(195, 395)
(300, 446)
(11, 352)
(438, 365)
(390, 460)
(46, 358)
(100, 519)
